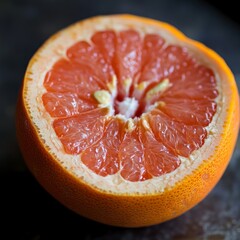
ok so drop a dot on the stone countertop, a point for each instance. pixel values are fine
(28, 211)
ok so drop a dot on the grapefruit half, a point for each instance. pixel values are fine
(126, 121)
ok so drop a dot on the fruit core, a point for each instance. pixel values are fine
(134, 104)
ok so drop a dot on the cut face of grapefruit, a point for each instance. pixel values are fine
(140, 78)
(120, 117)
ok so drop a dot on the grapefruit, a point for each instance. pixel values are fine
(126, 121)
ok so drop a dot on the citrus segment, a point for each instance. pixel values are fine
(106, 42)
(102, 157)
(127, 60)
(166, 62)
(197, 82)
(151, 52)
(181, 138)
(143, 156)
(159, 158)
(76, 132)
(67, 76)
(152, 49)
(131, 153)
(66, 104)
(189, 111)
(89, 56)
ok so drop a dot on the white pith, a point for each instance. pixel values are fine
(128, 107)
(56, 48)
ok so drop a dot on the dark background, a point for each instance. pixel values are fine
(27, 210)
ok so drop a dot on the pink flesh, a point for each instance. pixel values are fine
(177, 124)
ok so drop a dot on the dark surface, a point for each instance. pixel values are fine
(27, 210)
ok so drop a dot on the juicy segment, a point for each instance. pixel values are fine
(102, 121)
(143, 156)
(81, 131)
(102, 157)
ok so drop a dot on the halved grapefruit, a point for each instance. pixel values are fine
(127, 121)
